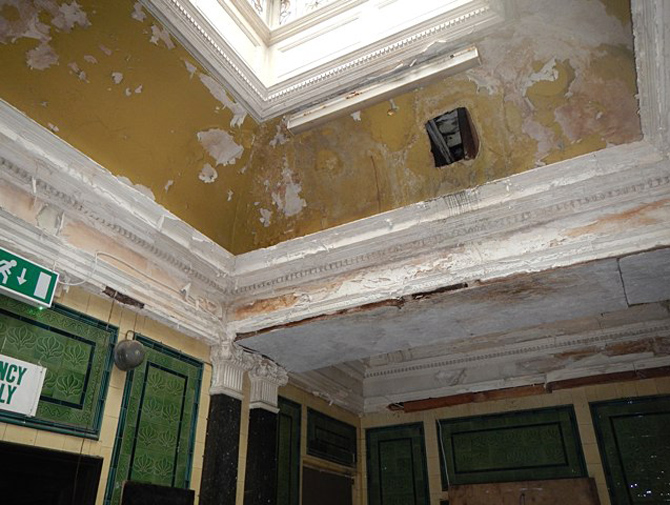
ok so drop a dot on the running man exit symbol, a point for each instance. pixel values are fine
(25, 280)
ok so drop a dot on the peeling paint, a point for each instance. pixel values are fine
(138, 12)
(280, 137)
(230, 195)
(287, 198)
(161, 35)
(117, 77)
(208, 174)
(356, 115)
(89, 58)
(190, 68)
(81, 75)
(168, 185)
(266, 216)
(41, 58)
(68, 16)
(218, 92)
(221, 146)
(139, 187)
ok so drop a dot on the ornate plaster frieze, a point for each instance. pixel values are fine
(265, 377)
(545, 360)
(530, 222)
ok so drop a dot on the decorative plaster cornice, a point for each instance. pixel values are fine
(537, 362)
(474, 236)
(183, 278)
(542, 346)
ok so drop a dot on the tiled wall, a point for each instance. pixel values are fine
(578, 397)
(308, 400)
(101, 308)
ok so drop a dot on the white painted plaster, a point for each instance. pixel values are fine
(190, 68)
(138, 12)
(266, 217)
(220, 94)
(221, 146)
(41, 57)
(208, 174)
(161, 35)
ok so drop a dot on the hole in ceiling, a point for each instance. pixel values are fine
(452, 137)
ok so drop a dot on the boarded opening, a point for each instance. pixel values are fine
(452, 137)
(34, 476)
(326, 488)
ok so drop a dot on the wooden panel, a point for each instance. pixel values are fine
(539, 492)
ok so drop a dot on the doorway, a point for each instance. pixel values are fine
(34, 476)
(325, 488)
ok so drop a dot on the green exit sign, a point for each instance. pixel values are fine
(26, 281)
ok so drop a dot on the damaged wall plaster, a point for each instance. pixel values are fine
(558, 83)
(109, 79)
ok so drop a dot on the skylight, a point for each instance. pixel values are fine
(282, 56)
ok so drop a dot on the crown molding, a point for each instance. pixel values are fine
(529, 222)
(64, 209)
(537, 362)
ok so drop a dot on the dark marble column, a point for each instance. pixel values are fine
(222, 442)
(222, 445)
(260, 479)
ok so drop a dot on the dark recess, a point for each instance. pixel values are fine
(452, 137)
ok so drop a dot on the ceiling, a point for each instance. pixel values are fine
(492, 319)
(342, 252)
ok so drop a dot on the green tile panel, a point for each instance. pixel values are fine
(526, 445)
(154, 442)
(634, 442)
(330, 439)
(77, 353)
(288, 452)
(396, 465)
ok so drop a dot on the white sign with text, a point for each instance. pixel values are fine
(20, 385)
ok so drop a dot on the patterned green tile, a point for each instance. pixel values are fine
(396, 463)
(156, 435)
(77, 352)
(524, 445)
(634, 442)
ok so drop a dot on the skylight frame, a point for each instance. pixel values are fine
(238, 52)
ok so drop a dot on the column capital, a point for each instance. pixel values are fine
(266, 377)
(229, 362)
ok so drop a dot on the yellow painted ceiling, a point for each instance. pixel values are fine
(107, 78)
